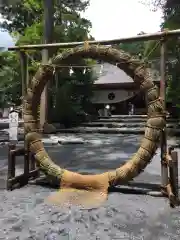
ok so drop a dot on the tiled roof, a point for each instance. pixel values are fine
(108, 73)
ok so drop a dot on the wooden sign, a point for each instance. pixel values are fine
(13, 126)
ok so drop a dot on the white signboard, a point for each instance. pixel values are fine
(13, 126)
(13, 119)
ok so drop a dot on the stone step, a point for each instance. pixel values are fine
(132, 120)
(121, 125)
(105, 130)
(128, 116)
(5, 124)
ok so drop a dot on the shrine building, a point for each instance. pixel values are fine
(115, 88)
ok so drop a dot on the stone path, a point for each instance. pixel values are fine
(24, 214)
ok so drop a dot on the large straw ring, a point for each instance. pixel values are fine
(99, 183)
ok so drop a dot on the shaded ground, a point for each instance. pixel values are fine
(24, 215)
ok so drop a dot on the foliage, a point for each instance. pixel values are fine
(74, 92)
(154, 4)
(24, 14)
(25, 22)
(171, 21)
(137, 49)
(10, 85)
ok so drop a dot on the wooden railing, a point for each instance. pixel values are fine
(31, 171)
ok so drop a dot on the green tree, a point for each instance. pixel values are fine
(19, 16)
(135, 49)
(171, 21)
(10, 79)
(154, 4)
(69, 26)
(171, 10)
(74, 92)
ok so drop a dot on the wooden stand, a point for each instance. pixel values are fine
(169, 157)
(172, 186)
(30, 169)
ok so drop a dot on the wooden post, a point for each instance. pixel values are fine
(24, 71)
(164, 167)
(11, 165)
(26, 167)
(170, 194)
(48, 38)
(43, 101)
(29, 163)
(32, 163)
(34, 169)
(175, 182)
(25, 82)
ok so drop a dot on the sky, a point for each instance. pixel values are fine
(114, 19)
(5, 40)
(121, 18)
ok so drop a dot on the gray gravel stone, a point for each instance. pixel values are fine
(25, 215)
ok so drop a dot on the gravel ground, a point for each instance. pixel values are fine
(25, 215)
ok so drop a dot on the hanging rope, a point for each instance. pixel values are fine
(150, 53)
(86, 45)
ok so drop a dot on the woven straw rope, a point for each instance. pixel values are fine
(154, 126)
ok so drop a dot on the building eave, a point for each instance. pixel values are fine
(121, 85)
